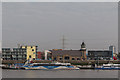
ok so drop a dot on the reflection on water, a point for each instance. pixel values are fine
(59, 73)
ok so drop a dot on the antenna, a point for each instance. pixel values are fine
(63, 42)
(82, 40)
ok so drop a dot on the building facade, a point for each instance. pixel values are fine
(21, 53)
(112, 48)
(14, 54)
(100, 55)
(31, 51)
(69, 55)
(39, 55)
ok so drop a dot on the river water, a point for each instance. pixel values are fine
(60, 73)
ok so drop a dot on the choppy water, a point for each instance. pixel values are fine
(60, 73)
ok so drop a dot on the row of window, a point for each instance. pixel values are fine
(66, 58)
(13, 53)
(6, 49)
(14, 59)
(99, 53)
(108, 58)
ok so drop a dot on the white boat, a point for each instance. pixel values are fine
(110, 66)
(47, 66)
(1, 65)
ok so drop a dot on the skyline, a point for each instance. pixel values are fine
(45, 24)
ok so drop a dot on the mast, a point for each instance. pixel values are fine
(63, 42)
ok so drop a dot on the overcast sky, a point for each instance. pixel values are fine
(60, 0)
(44, 24)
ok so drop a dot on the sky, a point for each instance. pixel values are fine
(0, 26)
(59, 0)
(44, 24)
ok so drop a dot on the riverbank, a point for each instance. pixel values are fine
(87, 62)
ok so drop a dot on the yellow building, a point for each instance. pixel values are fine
(31, 51)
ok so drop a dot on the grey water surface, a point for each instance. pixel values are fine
(60, 73)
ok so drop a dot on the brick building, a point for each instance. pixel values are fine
(69, 55)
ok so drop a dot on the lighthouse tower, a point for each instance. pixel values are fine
(83, 46)
(83, 51)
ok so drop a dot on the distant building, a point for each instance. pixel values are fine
(69, 55)
(112, 48)
(39, 55)
(21, 53)
(14, 54)
(31, 51)
(100, 55)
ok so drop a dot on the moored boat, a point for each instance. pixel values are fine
(47, 66)
(109, 66)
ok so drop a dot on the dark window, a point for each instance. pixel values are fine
(30, 56)
(60, 58)
(25, 46)
(78, 58)
(55, 58)
(73, 58)
(33, 58)
(83, 58)
(66, 58)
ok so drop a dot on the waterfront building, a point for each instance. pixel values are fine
(69, 55)
(100, 55)
(20, 53)
(112, 48)
(31, 51)
(39, 55)
(14, 54)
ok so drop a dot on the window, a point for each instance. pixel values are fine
(78, 58)
(83, 58)
(66, 58)
(25, 46)
(33, 58)
(54, 58)
(30, 56)
(32, 49)
(60, 58)
(73, 58)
